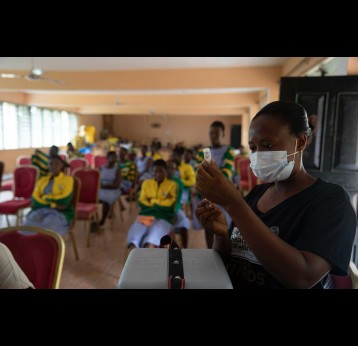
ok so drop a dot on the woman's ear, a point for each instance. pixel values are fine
(301, 142)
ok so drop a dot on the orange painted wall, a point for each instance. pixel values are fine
(95, 120)
(352, 66)
(9, 157)
(190, 129)
(13, 97)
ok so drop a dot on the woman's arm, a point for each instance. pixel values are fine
(214, 221)
(292, 267)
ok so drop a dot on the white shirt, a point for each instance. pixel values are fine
(11, 275)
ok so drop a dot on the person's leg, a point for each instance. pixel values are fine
(196, 224)
(56, 221)
(209, 237)
(184, 237)
(135, 234)
(182, 226)
(36, 216)
(156, 231)
(105, 210)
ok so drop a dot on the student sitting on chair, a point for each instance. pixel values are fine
(110, 181)
(51, 199)
(182, 223)
(157, 209)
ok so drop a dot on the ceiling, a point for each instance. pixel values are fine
(132, 63)
(145, 85)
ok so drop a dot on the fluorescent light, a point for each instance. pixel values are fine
(7, 75)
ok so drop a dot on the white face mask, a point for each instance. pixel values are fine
(271, 166)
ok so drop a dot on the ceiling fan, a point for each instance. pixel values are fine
(34, 75)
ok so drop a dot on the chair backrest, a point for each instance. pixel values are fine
(25, 179)
(39, 255)
(2, 165)
(23, 160)
(242, 165)
(64, 157)
(89, 159)
(75, 199)
(77, 163)
(99, 161)
(90, 184)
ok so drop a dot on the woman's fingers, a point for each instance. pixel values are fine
(207, 216)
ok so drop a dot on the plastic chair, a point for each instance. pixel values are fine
(77, 163)
(23, 160)
(39, 255)
(25, 179)
(87, 207)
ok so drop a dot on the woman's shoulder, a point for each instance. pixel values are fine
(329, 190)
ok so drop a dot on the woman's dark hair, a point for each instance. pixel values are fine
(160, 163)
(218, 124)
(290, 113)
(110, 153)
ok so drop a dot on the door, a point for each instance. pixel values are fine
(333, 152)
(235, 136)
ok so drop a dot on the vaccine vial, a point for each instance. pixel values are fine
(207, 154)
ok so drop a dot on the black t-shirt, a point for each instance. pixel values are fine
(319, 219)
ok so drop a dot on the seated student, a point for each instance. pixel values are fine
(144, 165)
(72, 152)
(41, 159)
(128, 169)
(51, 199)
(110, 181)
(182, 223)
(11, 275)
(186, 175)
(189, 158)
(157, 209)
(290, 232)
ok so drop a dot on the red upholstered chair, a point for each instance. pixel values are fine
(23, 160)
(74, 202)
(64, 157)
(89, 159)
(247, 178)
(347, 282)
(39, 255)
(77, 163)
(87, 208)
(25, 179)
(99, 161)
(4, 186)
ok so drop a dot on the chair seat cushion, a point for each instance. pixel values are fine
(12, 207)
(84, 210)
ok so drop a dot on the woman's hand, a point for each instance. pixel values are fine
(211, 218)
(213, 185)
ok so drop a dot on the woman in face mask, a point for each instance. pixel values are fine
(291, 231)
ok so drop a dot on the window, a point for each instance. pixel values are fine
(33, 127)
